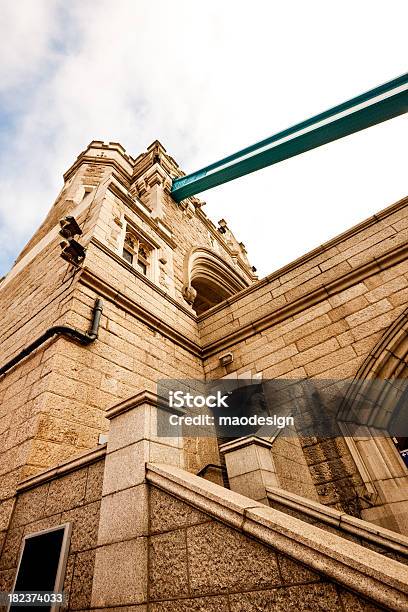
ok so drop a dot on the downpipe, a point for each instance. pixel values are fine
(84, 338)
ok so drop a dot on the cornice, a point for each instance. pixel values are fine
(391, 258)
(104, 289)
(78, 462)
(122, 262)
(351, 524)
(308, 256)
(237, 444)
(143, 397)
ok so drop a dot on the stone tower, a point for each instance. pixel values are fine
(122, 287)
(154, 263)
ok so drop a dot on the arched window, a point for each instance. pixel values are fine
(209, 279)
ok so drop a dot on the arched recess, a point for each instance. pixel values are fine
(375, 453)
(209, 279)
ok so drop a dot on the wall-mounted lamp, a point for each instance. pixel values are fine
(226, 359)
(72, 250)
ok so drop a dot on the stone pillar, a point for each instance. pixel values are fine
(250, 467)
(120, 575)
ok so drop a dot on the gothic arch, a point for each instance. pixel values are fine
(387, 361)
(389, 358)
(376, 456)
(209, 279)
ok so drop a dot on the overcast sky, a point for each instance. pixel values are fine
(206, 79)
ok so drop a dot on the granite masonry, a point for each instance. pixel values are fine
(195, 523)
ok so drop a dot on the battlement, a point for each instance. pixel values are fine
(99, 151)
(148, 177)
(133, 166)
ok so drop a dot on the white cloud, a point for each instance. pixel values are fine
(205, 79)
(25, 35)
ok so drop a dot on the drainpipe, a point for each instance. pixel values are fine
(84, 338)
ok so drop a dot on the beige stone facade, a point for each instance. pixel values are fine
(179, 295)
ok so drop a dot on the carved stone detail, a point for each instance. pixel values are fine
(189, 294)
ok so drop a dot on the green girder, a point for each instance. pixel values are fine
(368, 109)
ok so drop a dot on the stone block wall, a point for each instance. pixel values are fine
(73, 497)
(30, 303)
(53, 402)
(137, 546)
(197, 563)
(130, 355)
(319, 317)
(194, 563)
(292, 467)
(44, 418)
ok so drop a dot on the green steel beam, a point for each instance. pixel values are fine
(374, 106)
